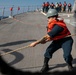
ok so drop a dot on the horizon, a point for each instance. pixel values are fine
(24, 5)
(30, 2)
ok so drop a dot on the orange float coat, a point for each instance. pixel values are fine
(62, 34)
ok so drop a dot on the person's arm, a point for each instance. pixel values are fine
(56, 30)
(42, 41)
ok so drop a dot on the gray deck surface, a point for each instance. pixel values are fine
(27, 28)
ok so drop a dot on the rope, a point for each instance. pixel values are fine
(25, 47)
(71, 35)
(14, 50)
(18, 20)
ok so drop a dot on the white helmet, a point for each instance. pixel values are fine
(51, 12)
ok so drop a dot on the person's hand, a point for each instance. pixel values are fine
(33, 44)
(43, 42)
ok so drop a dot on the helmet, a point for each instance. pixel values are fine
(51, 12)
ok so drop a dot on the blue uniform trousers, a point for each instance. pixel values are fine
(65, 44)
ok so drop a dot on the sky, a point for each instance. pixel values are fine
(24, 4)
(29, 2)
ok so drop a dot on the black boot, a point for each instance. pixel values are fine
(45, 67)
(70, 67)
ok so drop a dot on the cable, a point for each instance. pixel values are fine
(14, 50)
(27, 46)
